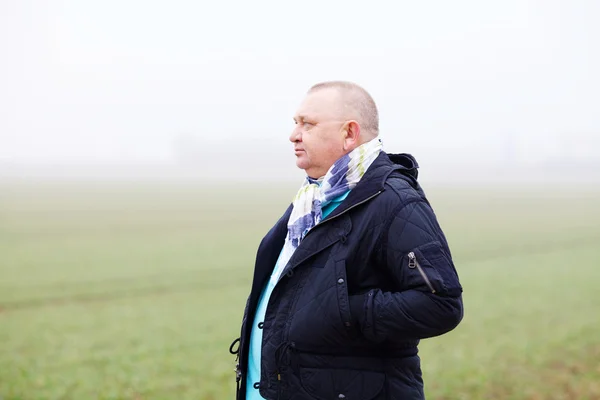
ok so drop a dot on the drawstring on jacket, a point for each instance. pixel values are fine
(238, 370)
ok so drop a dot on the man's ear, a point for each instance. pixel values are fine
(351, 134)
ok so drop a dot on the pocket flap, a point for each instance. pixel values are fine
(327, 384)
(433, 257)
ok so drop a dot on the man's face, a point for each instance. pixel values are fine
(319, 136)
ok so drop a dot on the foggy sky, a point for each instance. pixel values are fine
(137, 82)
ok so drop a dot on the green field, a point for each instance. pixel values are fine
(134, 291)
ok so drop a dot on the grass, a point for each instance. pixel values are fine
(116, 291)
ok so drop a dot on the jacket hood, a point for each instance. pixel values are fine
(405, 162)
(387, 163)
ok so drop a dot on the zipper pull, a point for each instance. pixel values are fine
(238, 373)
(412, 260)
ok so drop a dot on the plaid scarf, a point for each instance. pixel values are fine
(315, 194)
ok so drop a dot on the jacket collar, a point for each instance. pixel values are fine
(373, 182)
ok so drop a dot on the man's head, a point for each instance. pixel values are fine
(334, 119)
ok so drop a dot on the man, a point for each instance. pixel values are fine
(355, 272)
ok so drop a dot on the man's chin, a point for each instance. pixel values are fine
(302, 164)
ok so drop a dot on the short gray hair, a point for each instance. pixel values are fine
(357, 99)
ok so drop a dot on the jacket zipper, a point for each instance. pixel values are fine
(278, 385)
(345, 211)
(412, 263)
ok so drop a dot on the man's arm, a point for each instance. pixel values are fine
(428, 299)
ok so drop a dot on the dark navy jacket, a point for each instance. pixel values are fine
(364, 286)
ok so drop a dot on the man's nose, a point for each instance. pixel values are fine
(296, 135)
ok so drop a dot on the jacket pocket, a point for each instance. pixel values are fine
(342, 293)
(348, 384)
(429, 267)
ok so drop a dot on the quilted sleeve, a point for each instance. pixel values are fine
(427, 297)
